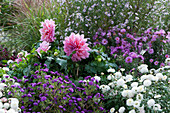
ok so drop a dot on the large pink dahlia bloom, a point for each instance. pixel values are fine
(44, 46)
(76, 42)
(48, 30)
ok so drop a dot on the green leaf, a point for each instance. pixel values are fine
(61, 62)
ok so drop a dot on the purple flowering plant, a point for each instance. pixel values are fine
(55, 92)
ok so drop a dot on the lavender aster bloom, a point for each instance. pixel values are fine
(151, 51)
(104, 41)
(43, 98)
(129, 59)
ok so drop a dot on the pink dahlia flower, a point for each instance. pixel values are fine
(76, 42)
(48, 30)
(44, 46)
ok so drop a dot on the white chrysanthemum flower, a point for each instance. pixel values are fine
(147, 83)
(118, 74)
(150, 77)
(143, 77)
(152, 71)
(134, 90)
(97, 78)
(164, 77)
(5, 68)
(2, 86)
(10, 61)
(130, 94)
(157, 96)
(167, 60)
(111, 84)
(111, 70)
(11, 111)
(120, 82)
(136, 104)
(129, 102)
(125, 86)
(151, 102)
(1, 105)
(2, 111)
(139, 97)
(1, 94)
(112, 110)
(141, 109)
(156, 107)
(155, 79)
(14, 105)
(132, 111)
(6, 105)
(134, 84)
(129, 78)
(122, 69)
(110, 77)
(143, 68)
(141, 88)
(104, 88)
(121, 109)
(159, 75)
(125, 93)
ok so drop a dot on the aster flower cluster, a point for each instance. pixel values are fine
(47, 93)
(137, 94)
(131, 46)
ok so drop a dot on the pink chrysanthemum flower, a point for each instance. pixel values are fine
(44, 46)
(76, 42)
(48, 30)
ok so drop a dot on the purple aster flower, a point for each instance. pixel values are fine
(103, 33)
(104, 41)
(162, 64)
(47, 77)
(71, 90)
(133, 54)
(167, 56)
(60, 106)
(129, 59)
(156, 62)
(90, 83)
(19, 80)
(22, 107)
(79, 99)
(151, 51)
(123, 30)
(35, 64)
(151, 60)
(141, 57)
(117, 40)
(43, 98)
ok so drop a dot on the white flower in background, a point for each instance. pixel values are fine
(139, 97)
(147, 83)
(125, 86)
(11, 111)
(155, 79)
(157, 96)
(1, 94)
(132, 111)
(134, 90)
(156, 107)
(167, 60)
(130, 94)
(141, 88)
(141, 109)
(111, 84)
(14, 105)
(151, 102)
(143, 68)
(129, 102)
(111, 70)
(1, 105)
(159, 75)
(10, 61)
(110, 77)
(143, 77)
(118, 74)
(112, 110)
(121, 109)
(5, 75)
(6, 105)
(120, 82)
(150, 77)
(129, 78)
(97, 78)
(122, 69)
(136, 104)
(17, 84)
(104, 88)
(5, 68)
(164, 77)
(2, 85)
(2, 111)
(125, 93)
(134, 84)
(14, 100)
(152, 71)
